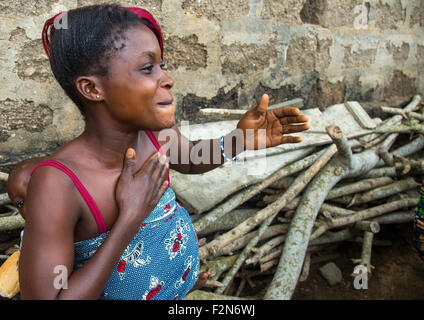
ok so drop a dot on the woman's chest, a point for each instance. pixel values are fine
(98, 206)
(100, 185)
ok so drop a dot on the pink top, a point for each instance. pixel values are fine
(83, 191)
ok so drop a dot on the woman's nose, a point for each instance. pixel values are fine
(166, 81)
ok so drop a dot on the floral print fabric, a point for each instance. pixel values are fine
(161, 262)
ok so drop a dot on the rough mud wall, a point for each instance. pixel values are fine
(223, 54)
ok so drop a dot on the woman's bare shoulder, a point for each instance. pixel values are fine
(51, 192)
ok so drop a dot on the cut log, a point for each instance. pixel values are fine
(360, 115)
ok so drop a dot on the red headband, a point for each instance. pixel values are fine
(143, 14)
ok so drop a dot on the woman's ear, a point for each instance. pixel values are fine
(88, 87)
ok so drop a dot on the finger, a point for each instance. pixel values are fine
(286, 111)
(263, 104)
(290, 139)
(294, 119)
(160, 171)
(159, 167)
(165, 169)
(129, 163)
(149, 164)
(294, 128)
(163, 159)
(162, 190)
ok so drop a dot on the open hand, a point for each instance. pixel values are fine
(278, 123)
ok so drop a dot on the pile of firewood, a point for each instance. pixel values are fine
(341, 192)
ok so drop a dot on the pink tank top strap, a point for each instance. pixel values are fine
(157, 145)
(83, 191)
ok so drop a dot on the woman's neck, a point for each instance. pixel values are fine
(107, 141)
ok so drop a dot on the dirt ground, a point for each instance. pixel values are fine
(398, 273)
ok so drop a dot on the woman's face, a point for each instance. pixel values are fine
(136, 90)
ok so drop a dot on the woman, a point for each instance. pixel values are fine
(102, 220)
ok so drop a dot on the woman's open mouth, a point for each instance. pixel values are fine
(166, 103)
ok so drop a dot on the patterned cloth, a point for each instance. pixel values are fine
(418, 237)
(161, 262)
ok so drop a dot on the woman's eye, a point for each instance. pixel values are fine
(148, 68)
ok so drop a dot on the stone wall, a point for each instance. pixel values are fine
(223, 54)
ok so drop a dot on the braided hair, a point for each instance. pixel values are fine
(92, 35)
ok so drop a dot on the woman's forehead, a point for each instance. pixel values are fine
(140, 42)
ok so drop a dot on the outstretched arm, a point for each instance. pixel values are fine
(274, 126)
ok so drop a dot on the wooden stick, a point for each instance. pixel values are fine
(410, 147)
(387, 158)
(244, 254)
(265, 248)
(364, 140)
(364, 215)
(283, 183)
(418, 128)
(290, 206)
(268, 265)
(403, 113)
(13, 211)
(374, 212)
(4, 199)
(306, 267)
(228, 221)
(376, 141)
(406, 166)
(11, 223)
(396, 217)
(241, 287)
(412, 106)
(384, 191)
(244, 240)
(343, 147)
(335, 210)
(365, 259)
(218, 266)
(4, 177)
(360, 186)
(333, 237)
(405, 150)
(369, 226)
(300, 182)
(381, 172)
(274, 254)
(360, 114)
(269, 245)
(217, 114)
